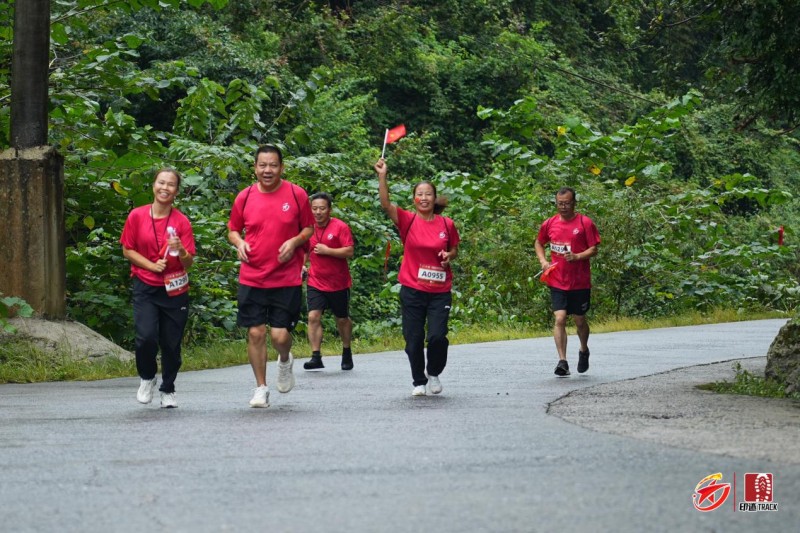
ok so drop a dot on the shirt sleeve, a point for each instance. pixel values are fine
(129, 232)
(543, 237)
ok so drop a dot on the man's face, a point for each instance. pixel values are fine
(321, 211)
(268, 170)
(565, 203)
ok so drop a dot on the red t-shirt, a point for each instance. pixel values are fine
(422, 268)
(576, 235)
(147, 235)
(269, 219)
(328, 273)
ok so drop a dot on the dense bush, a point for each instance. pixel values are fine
(502, 107)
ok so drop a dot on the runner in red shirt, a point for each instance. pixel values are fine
(158, 241)
(573, 240)
(329, 281)
(270, 222)
(430, 243)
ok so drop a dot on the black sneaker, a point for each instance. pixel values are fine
(583, 361)
(347, 362)
(315, 363)
(562, 368)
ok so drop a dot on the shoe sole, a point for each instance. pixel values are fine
(320, 369)
(260, 405)
(169, 406)
(347, 367)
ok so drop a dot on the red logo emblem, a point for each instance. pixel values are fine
(709, 494)
(758, 487)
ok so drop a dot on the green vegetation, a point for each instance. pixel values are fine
(748, 384)
(676, 123)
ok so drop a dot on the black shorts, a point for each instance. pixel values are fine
(278, 308)
(337, 301)
(575, 302)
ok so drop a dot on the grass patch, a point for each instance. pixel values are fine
(749, 384)
(24, 362)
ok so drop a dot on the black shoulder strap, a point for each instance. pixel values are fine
(404, 237)
(299, 214)
(247, 197)
(447, 233)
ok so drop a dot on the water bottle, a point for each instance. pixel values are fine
(172, 233)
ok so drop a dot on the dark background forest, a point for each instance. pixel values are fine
(676, 121)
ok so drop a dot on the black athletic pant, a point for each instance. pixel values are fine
(419, 306)
(159, 321)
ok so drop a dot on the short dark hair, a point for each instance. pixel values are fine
(269, 149)
(564, 190)
(322, 196)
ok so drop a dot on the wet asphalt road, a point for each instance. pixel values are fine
(354, 452)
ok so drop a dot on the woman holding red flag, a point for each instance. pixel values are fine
(430, 244)
(158, 241)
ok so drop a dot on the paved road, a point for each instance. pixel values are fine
(354, 452)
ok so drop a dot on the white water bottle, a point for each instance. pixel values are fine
(172, 233)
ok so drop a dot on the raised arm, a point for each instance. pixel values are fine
(383, 190)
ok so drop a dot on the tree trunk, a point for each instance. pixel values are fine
(29, 68)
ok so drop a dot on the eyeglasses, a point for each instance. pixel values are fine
(564, 204)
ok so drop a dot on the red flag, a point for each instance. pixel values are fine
(395, 133)
(386, 258)
(545, 277)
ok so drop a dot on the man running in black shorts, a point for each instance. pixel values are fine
(573, 240)
(329, 280)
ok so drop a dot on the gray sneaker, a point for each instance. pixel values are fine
(168, 400)
(260, 397)
(146, 388)
(434, 384)
(285, 375)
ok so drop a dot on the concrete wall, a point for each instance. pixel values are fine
(32, 253)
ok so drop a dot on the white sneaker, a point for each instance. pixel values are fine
(434, 384)
(146, 388)
(419, 390)
(285, 375)
(168, 400)
(260, 397)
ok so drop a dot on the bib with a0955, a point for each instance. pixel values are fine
(431, 275)
(176, 282)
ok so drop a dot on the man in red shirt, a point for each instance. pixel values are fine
(329, 281)
(573, 240)
(270, 222)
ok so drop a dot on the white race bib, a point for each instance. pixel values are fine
(176, 282)
(431, 275)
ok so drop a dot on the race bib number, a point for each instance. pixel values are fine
(560, 248)
(431, 275)
(176, 282)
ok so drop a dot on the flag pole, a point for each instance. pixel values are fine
(385, 137)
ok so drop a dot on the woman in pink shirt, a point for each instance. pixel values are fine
(430, 243)
(158, 241)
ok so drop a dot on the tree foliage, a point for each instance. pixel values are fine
(504, 101)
